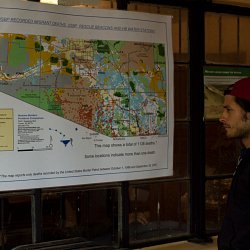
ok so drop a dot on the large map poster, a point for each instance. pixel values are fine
(86, 96)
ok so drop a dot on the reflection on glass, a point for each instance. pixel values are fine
(226, 39)
(216, 198)
(219, 148)
(181, 149)
(179, 25)
(181, 91)
(15, 221)
(157, 211)
(100, 4)
(242, 3)
(91, 214)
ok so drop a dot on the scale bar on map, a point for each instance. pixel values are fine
(24, 150)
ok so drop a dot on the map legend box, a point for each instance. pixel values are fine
(6, 130)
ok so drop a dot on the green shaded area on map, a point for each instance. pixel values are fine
(115, 88)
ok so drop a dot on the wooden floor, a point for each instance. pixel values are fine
(184, 245)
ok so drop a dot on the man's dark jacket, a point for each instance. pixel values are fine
(235, 231)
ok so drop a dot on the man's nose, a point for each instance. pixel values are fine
(222, 118)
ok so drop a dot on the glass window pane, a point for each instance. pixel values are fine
(158, 210)
(98, 215)
(184, 36)
(244, 37)
(143, 7)
(179, 32)
(181, 91)
(229, 35)
(102, 4)
(242, 3)
(52, 216)
(216, 198)
(219, 148)
(226, 39)
(179, 26)
(221, 38)
(212, 36)
(91, 214)
(16, 221)
(181, 152)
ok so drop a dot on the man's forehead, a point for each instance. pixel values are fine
(229, 100)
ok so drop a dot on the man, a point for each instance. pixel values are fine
(235, 230)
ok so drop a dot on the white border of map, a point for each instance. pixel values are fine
(132, 157)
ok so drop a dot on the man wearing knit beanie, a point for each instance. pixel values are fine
(235, 230)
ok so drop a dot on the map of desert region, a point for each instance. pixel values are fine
(116, 88)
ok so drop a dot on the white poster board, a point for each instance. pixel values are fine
(86, 96)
